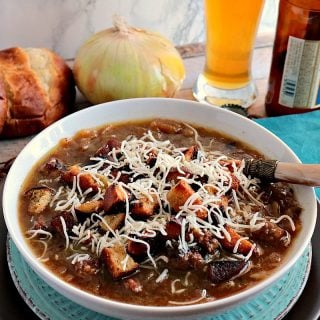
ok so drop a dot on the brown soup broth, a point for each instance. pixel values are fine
(188, 278)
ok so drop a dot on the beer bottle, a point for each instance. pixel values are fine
(295, 69)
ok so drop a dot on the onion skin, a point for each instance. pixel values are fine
(122, 63)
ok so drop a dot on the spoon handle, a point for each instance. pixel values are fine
(273, 170)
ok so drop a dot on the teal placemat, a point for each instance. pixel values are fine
(301, 132)
(272, 303)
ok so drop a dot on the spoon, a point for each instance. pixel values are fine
(274, 170)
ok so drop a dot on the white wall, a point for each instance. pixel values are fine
(63, 25)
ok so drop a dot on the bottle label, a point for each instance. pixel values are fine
(300, 85)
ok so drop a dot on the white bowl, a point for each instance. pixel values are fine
(221, 120)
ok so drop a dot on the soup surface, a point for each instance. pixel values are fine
(157, 213)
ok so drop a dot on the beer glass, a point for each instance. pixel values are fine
(231, 27)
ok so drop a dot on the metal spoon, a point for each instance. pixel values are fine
(274, 170)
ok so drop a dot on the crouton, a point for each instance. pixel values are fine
(114, 198)
(57, 225)
(173, 229)
(112, 221)
(179, 194)
(39, 199)
(85, 179)
(137, 249)
(244, 246)
(104, 180)
(90, 206)
(118, 262)
(191, 153)
(174, 175)
(71, 172)
(144, 207)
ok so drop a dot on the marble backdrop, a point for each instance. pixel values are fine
(63, 25)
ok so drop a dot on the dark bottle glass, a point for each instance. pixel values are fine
(295, 69)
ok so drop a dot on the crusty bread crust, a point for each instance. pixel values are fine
(39, 89)
(3, 104)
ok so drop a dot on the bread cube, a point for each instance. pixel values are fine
(39, 199)
(112, 221)
(114, 258)
(114, 197)
(144, 207)
(179, 194)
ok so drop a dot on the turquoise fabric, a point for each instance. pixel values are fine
(301, 132)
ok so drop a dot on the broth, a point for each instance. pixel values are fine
(156, 212)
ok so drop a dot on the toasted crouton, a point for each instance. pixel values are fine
(39, 198)
(173, 229)
(68, 175)
(136, 249)
(244, 245)
(179, 194)
(118, 262)
(85, 179)
(90, 206)
(112, 221)
(174, 175)
(56, 223)
(144, 207)
(191, 153)
(114, 197)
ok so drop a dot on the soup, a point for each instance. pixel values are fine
(156, 212)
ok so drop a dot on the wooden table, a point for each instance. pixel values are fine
(12, 307)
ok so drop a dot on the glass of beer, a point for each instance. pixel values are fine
(231, 27)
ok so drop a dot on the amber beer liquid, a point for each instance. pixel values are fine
(231, 31)
(231, 27)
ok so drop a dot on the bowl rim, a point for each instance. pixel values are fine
(57, 283)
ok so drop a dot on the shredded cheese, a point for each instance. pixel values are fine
(163, 276)
(208, 172)
(181, 303)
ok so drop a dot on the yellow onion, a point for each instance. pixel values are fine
(125, 62)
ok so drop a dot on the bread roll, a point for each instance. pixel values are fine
(36, 89)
